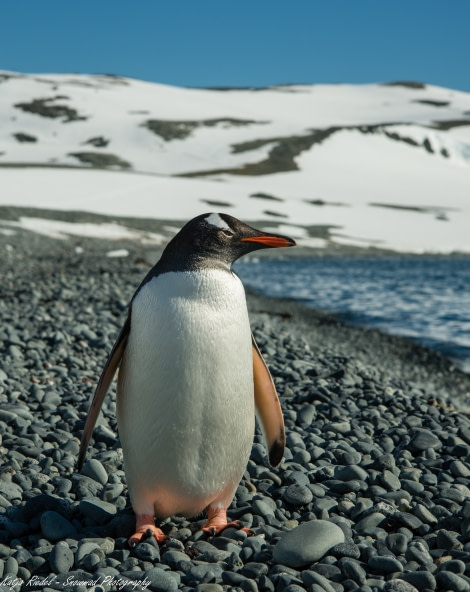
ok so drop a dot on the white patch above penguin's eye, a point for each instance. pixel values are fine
(216, 220)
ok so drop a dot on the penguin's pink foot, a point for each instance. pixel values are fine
(217, 522)
(144, 527)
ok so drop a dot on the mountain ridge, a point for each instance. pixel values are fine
(402, 145)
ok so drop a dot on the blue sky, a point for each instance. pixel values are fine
(244, 42)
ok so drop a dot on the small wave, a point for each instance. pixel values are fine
(426, 299)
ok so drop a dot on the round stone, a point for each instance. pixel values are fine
(339, 427)
(422, 580)
(459, 469)
(160, 580)
(95, 470)
(351, 473)
(307, 543)
(55, 527)
(448, 580)
(298, 495)
(397, 543)
(423, 440)
(390, 481)
(354, 571)
(384, 563)
(369, 523)
(454, 565)
(61, 558)
(97, 510)
(147, 552)
(315, 581)
(262, 508)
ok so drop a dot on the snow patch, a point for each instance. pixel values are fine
(62, 230)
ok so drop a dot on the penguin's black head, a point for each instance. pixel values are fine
(216, 240)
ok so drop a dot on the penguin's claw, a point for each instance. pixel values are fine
(217, 522)
(145, 528)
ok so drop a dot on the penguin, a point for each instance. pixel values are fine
(191, 379)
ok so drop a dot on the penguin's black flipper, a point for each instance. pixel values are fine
(268, 408)
(105, 380)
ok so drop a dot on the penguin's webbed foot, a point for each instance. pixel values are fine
(144, 528)
(217, 522)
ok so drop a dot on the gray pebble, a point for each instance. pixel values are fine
(298, 495)
(369, 523)
(11, 491)
(385, 564)
(92, 561)
(254, 570)
(61, 558)
(236, 579)
(312, 578)
(419, 554)
(262, 508)
(390, 481)
(84, 549)
(409, 520)
(459, 468)
(339, 427)
(296, 478)
(95, 470)
(413, 487)
(424, 514)
(449, 580)
(161, 581)
(423, 440)
(147, 552)
(447, 539)
(55, 527)
(354, 571)
(421, 580)
(11, 567)
(454, 565)
(346, 549)
(203, 573)
(351, 473)
(97, 510)
(306, 415)
(397, 543)
(175, 559)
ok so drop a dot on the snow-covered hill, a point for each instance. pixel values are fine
(371, 165)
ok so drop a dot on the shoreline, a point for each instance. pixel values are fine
(403, 356)
(413, 358)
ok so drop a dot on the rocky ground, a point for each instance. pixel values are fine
(373, 493)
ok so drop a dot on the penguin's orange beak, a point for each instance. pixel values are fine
(270, 240)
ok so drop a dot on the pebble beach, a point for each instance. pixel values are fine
(373, 493)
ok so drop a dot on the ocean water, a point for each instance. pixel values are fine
(426, 299)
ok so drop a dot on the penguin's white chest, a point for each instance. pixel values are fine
(185, 391)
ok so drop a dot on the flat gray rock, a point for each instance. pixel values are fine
(55, 527)
(307, 543)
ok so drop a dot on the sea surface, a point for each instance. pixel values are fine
(426, 299)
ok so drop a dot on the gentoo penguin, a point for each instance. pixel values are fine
(190, 378)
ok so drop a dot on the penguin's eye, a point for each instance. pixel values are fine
(227, 232)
